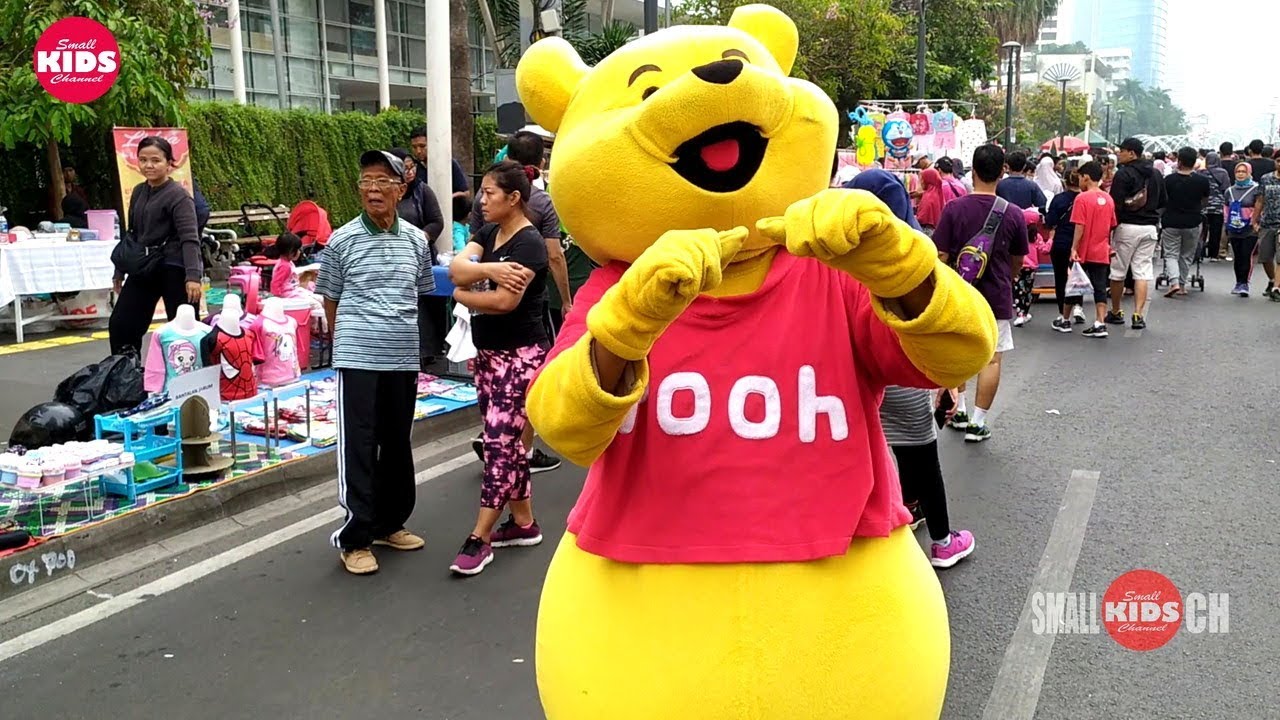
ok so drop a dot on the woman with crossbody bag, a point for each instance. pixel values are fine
(159, 258)
(1242, 225)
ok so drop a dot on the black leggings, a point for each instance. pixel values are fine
(1244, 249)
(136, 305)
(921, 476)
(1061, 266)
(1211, 235)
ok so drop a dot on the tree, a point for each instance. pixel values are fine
(1019, 20)
(1147, 111)
(959, 48)
(460, 83)
(594, 47)
(164, 50)
(846, 46)
(1075, 48)
(1036, 113)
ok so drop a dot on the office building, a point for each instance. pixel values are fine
(327, 56)
(1142, 26)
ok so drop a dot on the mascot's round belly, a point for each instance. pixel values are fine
(859, 636)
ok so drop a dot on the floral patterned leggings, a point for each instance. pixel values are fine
(502, 383)
(1022, 291)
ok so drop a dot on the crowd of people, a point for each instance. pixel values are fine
(1100, 222)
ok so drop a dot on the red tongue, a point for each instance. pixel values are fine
(721, 156)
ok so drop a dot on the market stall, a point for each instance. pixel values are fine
(51, 263)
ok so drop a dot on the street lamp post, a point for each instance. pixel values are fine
(1062, 120)
(1012, 48)
(1120, 133)
(651, 16)
(1107, 135)
(920, 42)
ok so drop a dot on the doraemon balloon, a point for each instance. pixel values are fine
(897, 136)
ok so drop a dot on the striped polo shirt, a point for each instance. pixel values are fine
(375, 276)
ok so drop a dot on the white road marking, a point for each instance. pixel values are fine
(1017, 687)
(186, 576)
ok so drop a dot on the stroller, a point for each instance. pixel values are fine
(1196, 280)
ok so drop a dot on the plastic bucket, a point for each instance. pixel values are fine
(104, 222)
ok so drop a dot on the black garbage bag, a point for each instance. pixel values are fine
(104, 387)
(49, 424)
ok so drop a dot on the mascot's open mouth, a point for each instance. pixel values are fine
(722, 159)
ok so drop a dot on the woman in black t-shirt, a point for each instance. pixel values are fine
(501, 276)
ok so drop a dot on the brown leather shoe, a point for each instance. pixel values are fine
(360, 561)
(401, 540)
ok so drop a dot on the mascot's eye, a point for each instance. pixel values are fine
(648, 92)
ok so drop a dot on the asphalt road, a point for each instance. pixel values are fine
(1178, 424)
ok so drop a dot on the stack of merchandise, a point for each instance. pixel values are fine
(431, 390)
(58, 465)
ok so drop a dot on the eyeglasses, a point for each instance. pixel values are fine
(381, 184)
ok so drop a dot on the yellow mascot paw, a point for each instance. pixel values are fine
(657, 288)
(853, 231)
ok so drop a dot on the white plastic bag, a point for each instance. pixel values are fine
(1078, 282)
(461, 348)
(86, 302)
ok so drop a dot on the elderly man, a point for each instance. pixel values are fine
(374, 269)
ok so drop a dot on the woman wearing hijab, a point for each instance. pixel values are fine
(1211, 231)
(1244, 208)
(1047, 177)
(907, 417)
(937, 193)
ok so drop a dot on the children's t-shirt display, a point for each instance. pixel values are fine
(277, 348)
(234, 353)
(174, 351)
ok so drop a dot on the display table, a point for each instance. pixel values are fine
(37, 267)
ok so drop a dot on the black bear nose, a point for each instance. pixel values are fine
(720, 72)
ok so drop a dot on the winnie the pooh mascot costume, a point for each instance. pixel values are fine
(740, 548)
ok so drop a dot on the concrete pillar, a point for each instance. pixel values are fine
(439, 108)
(237, 52)
(384, 74)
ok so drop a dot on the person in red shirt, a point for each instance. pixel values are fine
(1094, 215)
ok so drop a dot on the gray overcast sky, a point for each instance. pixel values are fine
(1224, 86)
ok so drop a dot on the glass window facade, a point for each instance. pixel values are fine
(1141, 25)
(328, 50)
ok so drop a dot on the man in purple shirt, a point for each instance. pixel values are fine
(962, 219)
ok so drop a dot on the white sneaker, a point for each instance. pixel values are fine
(1022, 320)
(1077, 315)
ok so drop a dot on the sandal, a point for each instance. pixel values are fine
(1175, 290)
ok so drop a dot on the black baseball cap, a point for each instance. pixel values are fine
(381, 157)
(1133, 145)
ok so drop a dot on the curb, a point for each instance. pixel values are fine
(215, 505)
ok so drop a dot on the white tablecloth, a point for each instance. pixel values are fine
(28, 268)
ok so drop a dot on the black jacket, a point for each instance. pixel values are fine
(1130, 178)
(420, 209)
(166, 216)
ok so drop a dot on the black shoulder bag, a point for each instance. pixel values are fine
(131, 256)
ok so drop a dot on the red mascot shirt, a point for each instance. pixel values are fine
(759, 437)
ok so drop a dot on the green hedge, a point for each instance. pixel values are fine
(240, 154)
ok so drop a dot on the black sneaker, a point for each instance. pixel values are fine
(1062, 325)
(477, 446)
(541, 462)
(1097, 331)
(1270, 287)
(960, 421)
(917, 516)
(977, 433)
(1115, 318)
(1138, 322)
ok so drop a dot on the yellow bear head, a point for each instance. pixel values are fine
(690, 127)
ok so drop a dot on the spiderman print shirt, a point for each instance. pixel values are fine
(234, 354)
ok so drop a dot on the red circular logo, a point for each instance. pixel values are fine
(1142, 610)
(77, 60)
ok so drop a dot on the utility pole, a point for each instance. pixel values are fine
(439, 106)
(920, 48)
(651, 16)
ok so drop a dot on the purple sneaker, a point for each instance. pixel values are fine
(509, 534)
(473, 557)
(960, 547)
